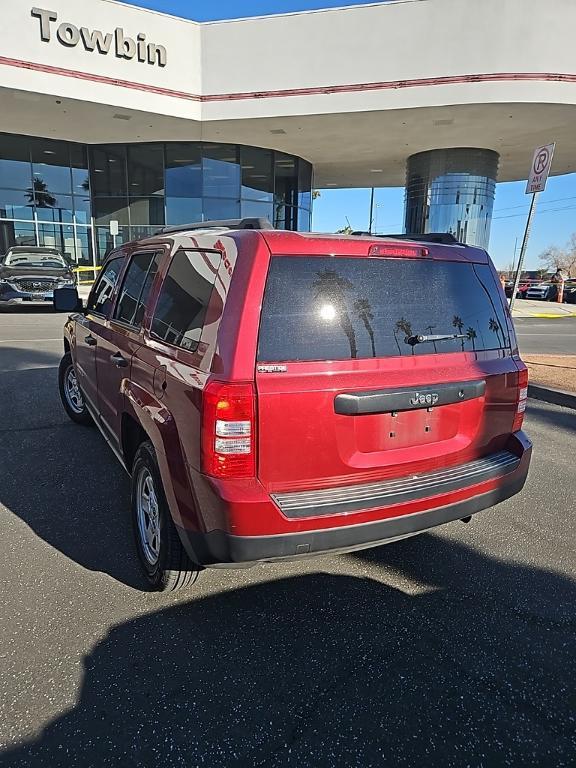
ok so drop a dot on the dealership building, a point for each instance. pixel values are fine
(114, 113)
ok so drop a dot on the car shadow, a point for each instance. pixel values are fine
(475, 668)
(61, 479)
(553, 416)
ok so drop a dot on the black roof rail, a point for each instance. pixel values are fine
(442, 238)
(246, 223)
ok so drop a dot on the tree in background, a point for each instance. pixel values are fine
(555, 258)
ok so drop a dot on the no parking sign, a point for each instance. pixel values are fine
(540, 169)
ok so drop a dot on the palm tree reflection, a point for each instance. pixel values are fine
(331, 289)
(494, 326)
(471, 334)
(364, 311)
(458, 323)
(406, 327)
(40, 195)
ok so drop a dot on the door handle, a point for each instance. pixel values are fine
(90, 340)
(119, 360)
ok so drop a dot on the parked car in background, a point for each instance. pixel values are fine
(274, 395)
(520, 293)
(542, 292)
(30, 274)
(570, 292)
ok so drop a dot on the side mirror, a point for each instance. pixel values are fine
(67, 300)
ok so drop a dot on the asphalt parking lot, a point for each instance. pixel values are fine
(545, 336)
(454, 648)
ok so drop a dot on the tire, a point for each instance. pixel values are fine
(164, 561)
(70, 393)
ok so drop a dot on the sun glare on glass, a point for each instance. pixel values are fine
(327, 312)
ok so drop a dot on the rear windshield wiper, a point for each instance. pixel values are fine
(421, 339)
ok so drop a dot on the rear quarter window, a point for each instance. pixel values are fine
(184, 297)
(327, 308)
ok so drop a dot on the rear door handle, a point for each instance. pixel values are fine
(90, 340)
(119, 360)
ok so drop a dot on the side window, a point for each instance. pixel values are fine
(101, 297)
(136, 287)
(184, 298)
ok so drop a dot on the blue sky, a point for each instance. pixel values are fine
(555, 218)
(209, 10)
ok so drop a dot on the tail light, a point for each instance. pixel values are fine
(522, 398)
(228, 430)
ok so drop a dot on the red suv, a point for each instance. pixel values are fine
(276, 395)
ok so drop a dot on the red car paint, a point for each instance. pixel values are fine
(298, 442)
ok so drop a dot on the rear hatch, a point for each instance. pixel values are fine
(348, 393)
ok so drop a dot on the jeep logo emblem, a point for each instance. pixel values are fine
(420, 399)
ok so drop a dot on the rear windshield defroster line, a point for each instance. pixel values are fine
(325, 308)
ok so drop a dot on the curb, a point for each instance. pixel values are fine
(542, 315)
(555, 396)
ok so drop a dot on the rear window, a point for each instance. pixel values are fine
(323, 308)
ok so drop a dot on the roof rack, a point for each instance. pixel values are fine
(246, 223)
(442, 238)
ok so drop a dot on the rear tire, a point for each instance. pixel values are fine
(164, 561)
(70, 392)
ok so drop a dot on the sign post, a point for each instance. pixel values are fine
(539, 172)
(114, 229)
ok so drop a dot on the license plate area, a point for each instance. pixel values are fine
(405, 429)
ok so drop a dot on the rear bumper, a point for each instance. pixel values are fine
(219, 547)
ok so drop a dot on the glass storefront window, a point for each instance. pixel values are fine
(51, 166)
(304, 185)
(83, 246)
(16, 233)
(252, 208)
(183, 210)
(304, 220)
(147, 210)
(217, 208)
(145, 170)
(183, 170)
(285, 216)
(257, 175)
(83, 209)
(107, 209)
(220, 171)
(15, 204)
(54, 208)
(286, 179)
(108, 170)
(48, 185)
(15, 166)
(105, 241)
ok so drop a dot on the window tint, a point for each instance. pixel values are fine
(136, 287)
(184, 298)
(101, 297)
(339, 308)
